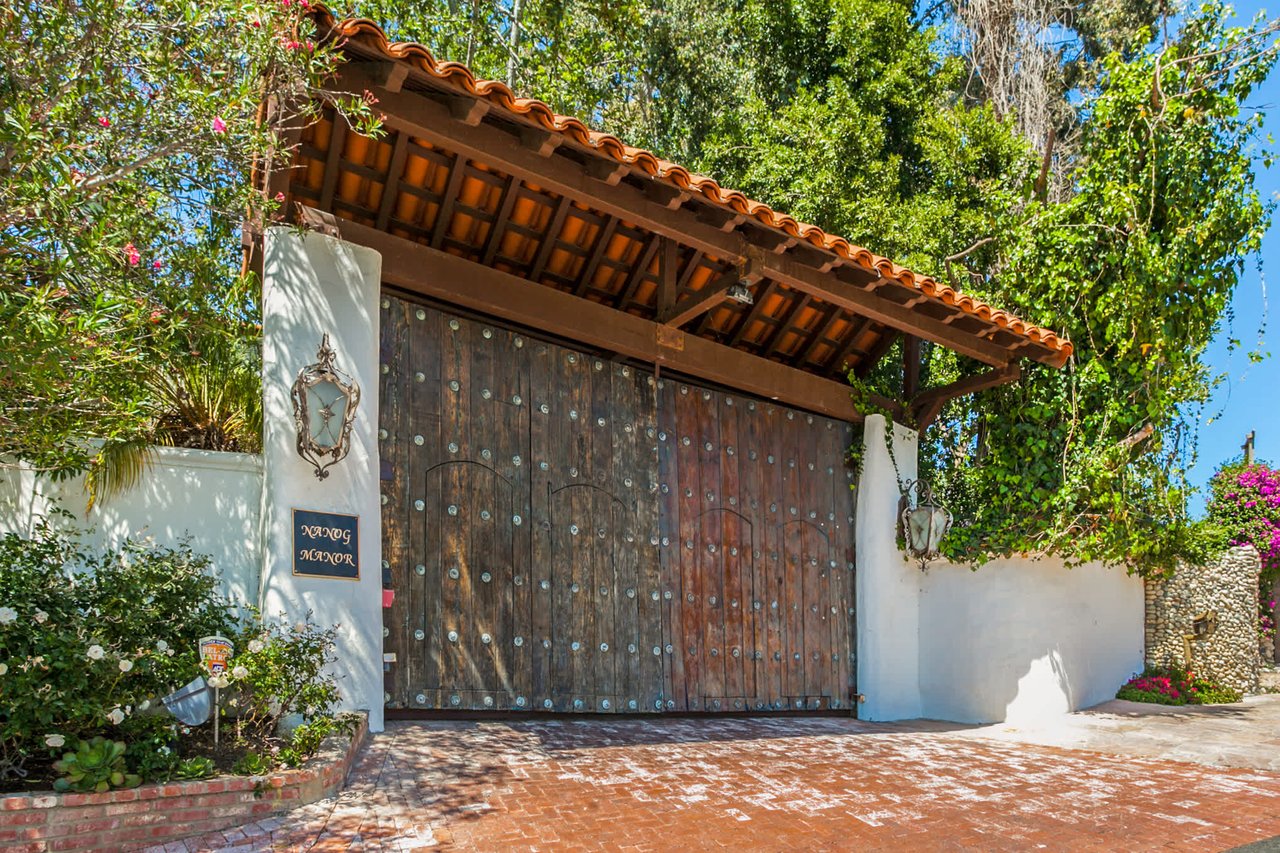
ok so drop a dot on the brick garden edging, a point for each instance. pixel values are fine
(134, 818)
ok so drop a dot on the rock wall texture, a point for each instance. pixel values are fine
(1228, 590)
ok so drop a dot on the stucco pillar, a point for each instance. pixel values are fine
(313, 284)
(888, 585)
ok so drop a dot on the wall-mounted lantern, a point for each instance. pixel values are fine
(324, 408)
(926, 524)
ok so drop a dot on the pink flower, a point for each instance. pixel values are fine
(219, 126)
(157, 264)
(280, 198)
(132, 254)
(104, 121)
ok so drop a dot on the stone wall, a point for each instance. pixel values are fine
(1226, 588)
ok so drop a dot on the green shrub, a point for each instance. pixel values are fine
(279, 671)
(196, 767)
(88, 638)
(1174, 685)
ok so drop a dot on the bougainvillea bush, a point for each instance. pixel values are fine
(91, 640)
(1245, 504)
(1173, 685)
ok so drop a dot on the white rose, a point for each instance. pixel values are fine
(239, 672)
(116, 716)
(162, 646)
(299, 626)
(55, 741)
(219, 681)
(7, 615)
(255, 646)
(146, 703)
(96, 652)
(4, 668)
(41, 617)
(125, 665)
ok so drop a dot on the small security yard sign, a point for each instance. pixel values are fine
(326, 544)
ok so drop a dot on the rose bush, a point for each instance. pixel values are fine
(90, 641)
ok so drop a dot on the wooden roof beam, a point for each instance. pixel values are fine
(490, 291)
(542, 142)
(928, 405)
(428, 120)
(697, 304)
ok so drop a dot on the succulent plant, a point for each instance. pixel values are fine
(96, 765)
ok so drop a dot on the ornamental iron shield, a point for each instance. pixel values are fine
(324, 409)
(926, 524)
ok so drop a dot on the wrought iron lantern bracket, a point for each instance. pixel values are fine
(925, 525)
(324, 408)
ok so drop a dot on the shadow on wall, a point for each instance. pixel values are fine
(210, 499)
(1021, 640)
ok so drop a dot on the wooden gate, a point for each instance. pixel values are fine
(567, 533)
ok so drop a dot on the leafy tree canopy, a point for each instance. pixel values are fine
(1087, 166)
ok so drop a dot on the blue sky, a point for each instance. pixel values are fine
(1250, 399)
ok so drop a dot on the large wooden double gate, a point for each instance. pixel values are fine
(567, 533)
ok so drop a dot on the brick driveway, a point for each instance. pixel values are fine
(762, 784)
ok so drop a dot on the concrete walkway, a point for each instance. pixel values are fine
(1103, 780)
(1245, 735)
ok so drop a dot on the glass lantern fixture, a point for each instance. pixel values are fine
(925, 525)
(324, 408)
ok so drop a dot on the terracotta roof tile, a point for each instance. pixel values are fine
(369, 35)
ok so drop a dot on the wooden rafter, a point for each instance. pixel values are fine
(751, 316)
(494, 239)
(770, 344)
(850, 346)
(550, 238)
(819, 335)
(597, 255)
(429, 120)
(445, 215)
(337, 139)
(391, 188)
(639, 271)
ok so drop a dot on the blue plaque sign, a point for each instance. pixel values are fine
(326, 544)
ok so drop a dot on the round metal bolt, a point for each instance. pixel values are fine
(454, 574)
(488, 333)
(484, 515)
(519, 342)
(419, 377)
(486, 577)
(544, 408)
(545, 584)
(453, 510)
(573, 587)
(518, 642)
(604, 647)
(419, 634)
(420, 569)
(453, 447)
(385, 370)
(382, 433)
(419, 506)
(517, 520)
(453, 324)
(520, 701)
(453, 636)
(573, 529)
(632, 704)
(486, 639)
(517, 400)
(657, 650)
(546, 703)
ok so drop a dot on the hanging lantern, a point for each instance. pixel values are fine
(925, 525)
(324, 408)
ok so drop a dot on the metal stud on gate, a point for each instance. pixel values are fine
(547, 703)
(454, 574)
(453, 510)
(454, 325)
(453, 447)
(419, 634)
(486, 577)
(419, 377)
(453, 636)
(488, 333)
(418, 440)
(486, 639)
(420, 569)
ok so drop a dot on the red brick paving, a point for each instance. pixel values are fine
(761, 784)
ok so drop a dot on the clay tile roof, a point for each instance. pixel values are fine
(368, 36)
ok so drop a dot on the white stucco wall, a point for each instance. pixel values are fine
(313, 284)
(1021, 640)
(888, 590)
(211, 499)
(1016, 640)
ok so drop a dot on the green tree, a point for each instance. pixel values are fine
(128, 135)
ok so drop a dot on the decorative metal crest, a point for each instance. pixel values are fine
(324, 409)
